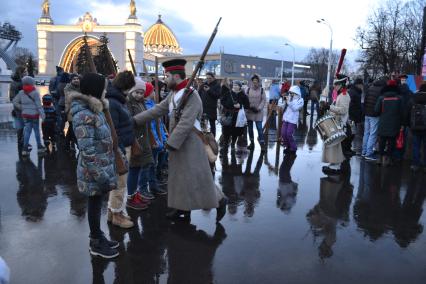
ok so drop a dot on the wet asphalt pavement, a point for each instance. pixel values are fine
(286, 222)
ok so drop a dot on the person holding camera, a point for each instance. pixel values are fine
(209, 94)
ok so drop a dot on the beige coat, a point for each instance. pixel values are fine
(257, 100)
(334, 154)
(190, 183)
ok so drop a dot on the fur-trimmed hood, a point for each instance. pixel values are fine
(96, 105)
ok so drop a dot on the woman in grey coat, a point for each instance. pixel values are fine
(190, 182)
(257, 99)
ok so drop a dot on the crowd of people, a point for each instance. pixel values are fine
(135, 146)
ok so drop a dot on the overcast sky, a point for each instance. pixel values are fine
(258, 28)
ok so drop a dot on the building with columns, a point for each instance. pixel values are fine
(59, 45)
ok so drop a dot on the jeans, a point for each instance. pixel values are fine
(287, 132)
(94, 206)
(370, 135)
(314, 106)
(419, 139)
(141, 177)
(161, 160)
(31, 124)
(259, 131)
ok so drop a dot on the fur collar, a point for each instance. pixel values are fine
(96, 105)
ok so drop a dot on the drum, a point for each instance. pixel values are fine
(331, 132)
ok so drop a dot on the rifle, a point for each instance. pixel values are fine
(198, 67)
(131, 62)
(119, 161)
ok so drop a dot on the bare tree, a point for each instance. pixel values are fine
(317, 58)
(390, 41)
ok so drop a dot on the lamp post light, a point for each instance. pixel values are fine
(294, 58)
(322, 21)
(282, 67)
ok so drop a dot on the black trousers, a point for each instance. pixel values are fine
(213, 126)
(390, 142)
(94, 206)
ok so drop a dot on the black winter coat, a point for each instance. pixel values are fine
(406, 96)
(120, 116)
(389, 107)
(418, 98)
(229, 98)
(355, 107)
(372, 95)
(209, 98)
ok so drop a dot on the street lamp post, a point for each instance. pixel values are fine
(322, 21)
(294, 59)
(282, 67)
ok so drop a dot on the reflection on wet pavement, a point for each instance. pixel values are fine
(285, 223)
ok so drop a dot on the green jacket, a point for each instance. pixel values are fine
(141, 134)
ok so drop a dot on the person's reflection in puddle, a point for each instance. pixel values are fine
(231, 181)
(407, 228)
(251, 182)
(31, 195)
(191, 253)
(50, 173)
(312, 138)
(287, 189)
(378, 208)
(333, 207)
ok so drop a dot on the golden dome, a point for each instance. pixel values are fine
(160, 38)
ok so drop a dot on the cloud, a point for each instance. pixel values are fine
(248, 27)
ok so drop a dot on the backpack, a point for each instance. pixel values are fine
(418, 117)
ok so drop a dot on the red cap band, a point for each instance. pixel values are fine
(175, 68)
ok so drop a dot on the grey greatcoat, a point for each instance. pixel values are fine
(334, 154)
(190, 183)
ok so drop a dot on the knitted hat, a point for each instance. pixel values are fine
(27, 80)
(92, 84)
(47, 98)
(149, 89)
(139, 85)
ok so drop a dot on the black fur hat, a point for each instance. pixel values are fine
(92, 84)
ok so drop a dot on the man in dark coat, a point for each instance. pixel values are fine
(356, 113)
(209, 94)
(389, 107)
(406, 94)
(418, 127)
(371, 119)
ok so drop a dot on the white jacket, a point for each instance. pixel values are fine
(294, 105)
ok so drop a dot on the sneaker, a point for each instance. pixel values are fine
(41, 149)
(370, 158)
(25, 153)
(118, 219)
(135, 203)
(30, 147)
(159, 191)
(146, 195)
(98, 247)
